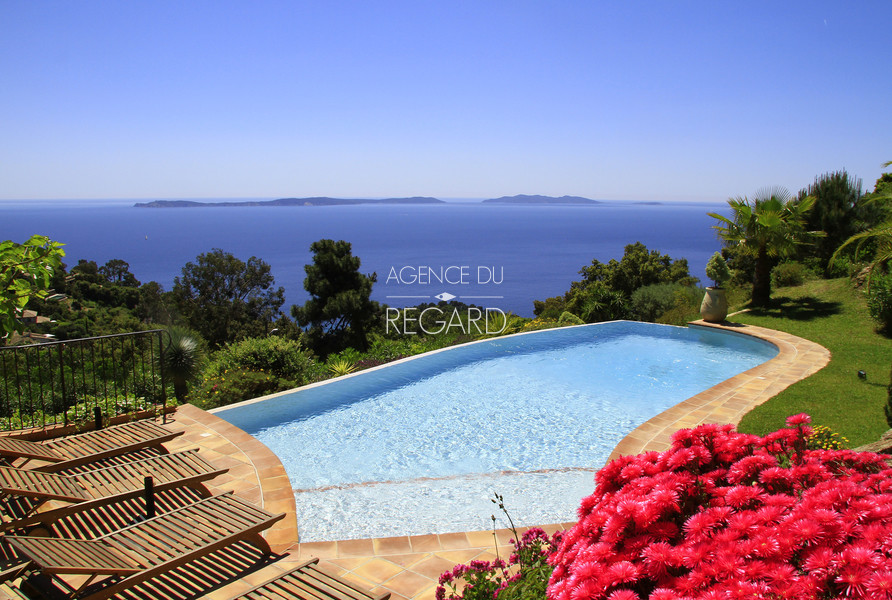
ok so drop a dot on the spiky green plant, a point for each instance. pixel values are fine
(341, 366)
(183, 358)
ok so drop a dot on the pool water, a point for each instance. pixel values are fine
(421, 445)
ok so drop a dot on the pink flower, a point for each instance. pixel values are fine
(853, 581)
(800, 419)
(879, 585)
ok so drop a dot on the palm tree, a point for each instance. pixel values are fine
(183, 358)
(770, 225)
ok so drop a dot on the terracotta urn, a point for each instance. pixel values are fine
(714, 307)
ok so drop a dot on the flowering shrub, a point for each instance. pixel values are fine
(523, 577)
(724, 515)
(823, 438)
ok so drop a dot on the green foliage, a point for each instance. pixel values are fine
(650, 302)
(638, 268)
(339, 313)
(568, 318)
(789, 274)
(80, 412)
(770, 225)
(281, 357)
(184, 356)
(879, 302)
(596, 302)
(888, 408)
(717, 270)
(824, 438)
(551, 308)
(225, 299)
(836, 196)
(340, 366)
(685, 308)
(236, 385)
(26, 271)
(117, 272)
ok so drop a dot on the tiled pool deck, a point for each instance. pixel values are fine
(408, 567)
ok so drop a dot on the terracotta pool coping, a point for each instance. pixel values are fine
(408, 566)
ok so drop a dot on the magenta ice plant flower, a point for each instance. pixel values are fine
(724, 515)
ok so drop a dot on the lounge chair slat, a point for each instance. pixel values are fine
(41, 485)
(57, 557)
(307, 582)
(12, 448)
(101, 486)
(54, 555)
(115, 440)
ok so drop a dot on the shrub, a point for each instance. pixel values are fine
(717, 270)
(281, 357)
(728, 515)
(340, 366)
(788, 274)
(879, 301)
(823, 438)
(236, 385)
(568, 318)
(651, 301)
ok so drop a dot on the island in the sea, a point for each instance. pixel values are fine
(525, 199)
(316, 201)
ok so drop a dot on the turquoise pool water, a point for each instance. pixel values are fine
(421, 445)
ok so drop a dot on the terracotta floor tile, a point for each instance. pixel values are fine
(432, 567)
(453, 540)
(409, 584)
(424, 543)
(348, 548)
(378, 570)
(392, 545)
(318, 549)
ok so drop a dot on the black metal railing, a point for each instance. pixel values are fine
(64, 382)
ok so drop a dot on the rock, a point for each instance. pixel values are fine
(881, 446)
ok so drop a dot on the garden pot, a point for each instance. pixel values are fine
(714, 307)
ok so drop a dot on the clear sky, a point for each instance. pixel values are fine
(651, 100)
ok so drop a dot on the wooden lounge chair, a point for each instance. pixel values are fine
(139, 552)
(82, 448)
(308, 582)
(24, 493)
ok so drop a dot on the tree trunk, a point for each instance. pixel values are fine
(180, 389)
(762, 279)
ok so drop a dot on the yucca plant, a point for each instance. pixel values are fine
(341, 366)
(183, 358)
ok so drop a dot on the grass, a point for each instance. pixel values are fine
(833, 314)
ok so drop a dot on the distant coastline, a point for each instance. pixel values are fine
(316, 201)
(524, 199)
(327, 201)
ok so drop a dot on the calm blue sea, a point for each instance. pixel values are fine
(499, 256)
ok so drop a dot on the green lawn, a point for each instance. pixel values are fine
(834, 315)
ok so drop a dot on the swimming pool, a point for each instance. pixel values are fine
(419, 446)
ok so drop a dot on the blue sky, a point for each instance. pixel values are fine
(609, 100)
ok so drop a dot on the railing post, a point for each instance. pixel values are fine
(62, 375)
(150, 496)
(97, 418)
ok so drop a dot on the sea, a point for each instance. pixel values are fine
(497, 256)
